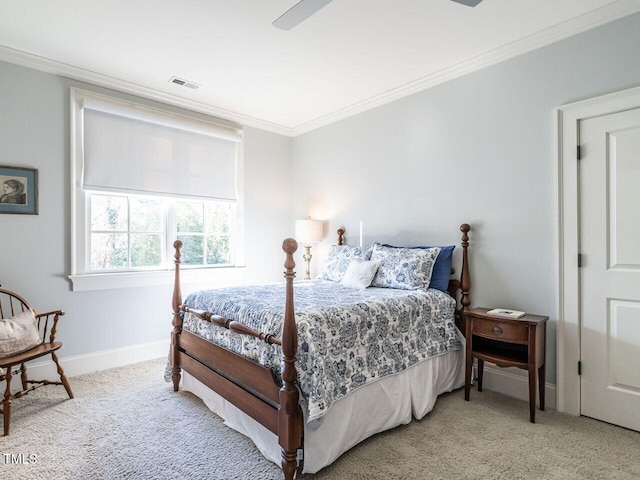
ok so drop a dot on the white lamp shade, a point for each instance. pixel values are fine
(308, 231)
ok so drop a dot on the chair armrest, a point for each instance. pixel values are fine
(56, 314)
(53, 312)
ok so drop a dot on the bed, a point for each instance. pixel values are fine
(307, 383)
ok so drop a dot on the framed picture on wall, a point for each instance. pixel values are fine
(18, 190)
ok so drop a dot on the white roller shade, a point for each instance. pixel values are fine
(141, 151)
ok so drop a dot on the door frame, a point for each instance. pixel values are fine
(568, 341)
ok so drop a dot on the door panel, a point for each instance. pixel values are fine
(609, 183)
(624, 334)
(624, 212)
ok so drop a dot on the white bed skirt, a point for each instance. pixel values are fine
(374, 408)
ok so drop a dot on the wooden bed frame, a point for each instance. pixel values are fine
(251, 387)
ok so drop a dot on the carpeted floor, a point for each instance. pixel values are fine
(123, 424)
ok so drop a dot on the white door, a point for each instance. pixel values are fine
(609, 184)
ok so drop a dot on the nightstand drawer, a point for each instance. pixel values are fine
(501, 330)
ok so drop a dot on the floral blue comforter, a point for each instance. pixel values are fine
(347, 337)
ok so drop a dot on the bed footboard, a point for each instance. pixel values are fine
(249, 386)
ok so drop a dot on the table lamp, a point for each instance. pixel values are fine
(308, 231)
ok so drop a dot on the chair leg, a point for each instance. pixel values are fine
(23, 376)
(6, 404)
(63, 378)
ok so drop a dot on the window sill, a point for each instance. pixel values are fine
(109, 281)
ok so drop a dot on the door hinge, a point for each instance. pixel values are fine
(579, 368)
(578, 152)
(579, 260)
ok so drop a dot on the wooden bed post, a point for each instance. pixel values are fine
(176, 304)
(290, 421)
(465, 277)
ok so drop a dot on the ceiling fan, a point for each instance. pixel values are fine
(305, 8)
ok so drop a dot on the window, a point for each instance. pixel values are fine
(143, 178)
(127, 233)
(130, 233)
(204, 230)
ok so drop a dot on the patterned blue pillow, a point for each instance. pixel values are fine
(404, 268)
(338, 261)
(441, 270)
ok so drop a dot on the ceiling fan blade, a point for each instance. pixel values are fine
(468, 3)
(298, 13)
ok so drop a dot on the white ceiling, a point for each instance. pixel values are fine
(350, 56)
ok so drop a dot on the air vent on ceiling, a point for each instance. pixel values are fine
(184, 83)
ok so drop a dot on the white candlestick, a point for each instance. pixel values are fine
(361, 233)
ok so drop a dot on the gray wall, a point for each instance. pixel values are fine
(479, 149)
(35, 250)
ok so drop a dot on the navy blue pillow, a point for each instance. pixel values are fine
(442, 268)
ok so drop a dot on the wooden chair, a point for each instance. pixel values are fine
(12, 304)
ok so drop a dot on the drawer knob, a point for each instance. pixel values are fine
(497, 330)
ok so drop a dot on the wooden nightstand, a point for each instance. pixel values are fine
(507, 342)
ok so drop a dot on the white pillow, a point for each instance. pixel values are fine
(359, 273)
(338, 260)
(18, 333)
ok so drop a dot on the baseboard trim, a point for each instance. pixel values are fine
(102, 360)
(509, 383)
(496, 379)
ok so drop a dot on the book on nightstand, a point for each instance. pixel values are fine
(506, 312)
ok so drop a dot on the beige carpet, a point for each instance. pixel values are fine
(123, 424)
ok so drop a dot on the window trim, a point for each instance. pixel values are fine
(80, 222)
(212, 276)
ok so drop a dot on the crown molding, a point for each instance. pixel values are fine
(587, 21)
(46, 65)
(558, 32)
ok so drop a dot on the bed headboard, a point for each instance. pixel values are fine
(459, 287)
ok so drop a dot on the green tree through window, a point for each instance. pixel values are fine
(135, 233)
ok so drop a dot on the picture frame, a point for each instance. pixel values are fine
(18, 190)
